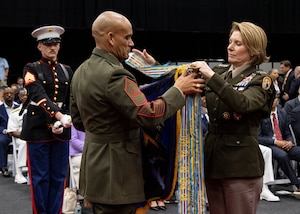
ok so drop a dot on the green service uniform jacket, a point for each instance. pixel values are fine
(235, 108)
(107, 104)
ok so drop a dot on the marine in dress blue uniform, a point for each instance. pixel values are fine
(46, 124)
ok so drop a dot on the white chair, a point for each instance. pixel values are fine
(283, 178)
(10, 159)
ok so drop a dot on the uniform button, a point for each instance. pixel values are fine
(56, 80)
(48, 108)
(217, 98)
(215, 119)
(32, 113)
(238, 142)
(214, 109)
(56, 86)
(44, 104)
(226, 115)
(44, 82)
(66, 83)
(55, 73)
(52, 112)
(54, 98)
(55, 92)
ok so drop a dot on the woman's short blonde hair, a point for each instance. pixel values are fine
(255, 40)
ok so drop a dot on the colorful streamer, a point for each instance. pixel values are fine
(136, 61)
(191, 187)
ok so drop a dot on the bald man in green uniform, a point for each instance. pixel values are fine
(107, 104)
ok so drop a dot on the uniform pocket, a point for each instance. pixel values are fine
(238, 140)
(134, 147)
(132, 169)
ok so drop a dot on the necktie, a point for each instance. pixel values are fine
(276, 127)
(284, 82)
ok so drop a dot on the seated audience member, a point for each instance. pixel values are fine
(294, 120)
(17, 98)
(5, 109)
(20, 82)
(14, 128)
(293, 91)
(275, 133)
(76, 146)
(14, 86)
(1, 94)
(268, 177)
(291, 104)
(274, 74)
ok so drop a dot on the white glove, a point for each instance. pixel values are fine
(57, 128)
(66, 121)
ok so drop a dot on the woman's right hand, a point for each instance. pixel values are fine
(189, 84)
(204, 69)
(148, 59)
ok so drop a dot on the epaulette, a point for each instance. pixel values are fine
(223, 65)
(16, 109)
(261, 72)
(221, 68)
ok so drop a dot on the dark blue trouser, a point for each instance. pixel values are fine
(284, 161)
(47, 165)
(4, 141)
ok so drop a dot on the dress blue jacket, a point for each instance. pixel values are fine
(294, 120)
(4, 116)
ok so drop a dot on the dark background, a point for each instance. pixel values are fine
(171, 30)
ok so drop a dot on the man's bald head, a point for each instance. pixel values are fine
(297, 72)
(108, 21)
(113, 33)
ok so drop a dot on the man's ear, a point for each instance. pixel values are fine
(39, 45)
(110, 38)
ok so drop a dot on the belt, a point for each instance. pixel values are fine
(232, 129)
(112, 137)
(59, 104)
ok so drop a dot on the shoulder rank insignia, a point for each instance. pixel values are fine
(266, 83)
(29, 78)
(132, 90)
(16, 109)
